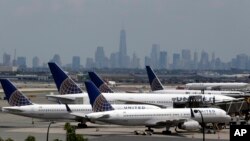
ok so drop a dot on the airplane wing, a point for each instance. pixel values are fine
(213, 88)
(169, 123)
(79, 115)
(62, 99)
(137, 102)
(11, 109)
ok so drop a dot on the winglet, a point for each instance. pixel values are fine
(13, 95)
(100, 84)
(192, 113)
(155, 83)
(68, 109)
(64, 84)
(98, 102)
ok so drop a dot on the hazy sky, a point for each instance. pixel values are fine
(76, 27)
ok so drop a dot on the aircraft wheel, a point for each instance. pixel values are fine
(80, 125)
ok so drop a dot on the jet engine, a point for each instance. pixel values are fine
(189, 125)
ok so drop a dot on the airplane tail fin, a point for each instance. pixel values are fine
(100, 84)
(13, 95)
(64, 84)
(98, 102)
(155, 83)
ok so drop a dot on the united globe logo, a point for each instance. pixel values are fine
(104, 89)
(17, 99)
(101, 104)
(156, 85)
(69, 87)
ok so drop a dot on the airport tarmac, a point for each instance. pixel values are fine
(18, 128)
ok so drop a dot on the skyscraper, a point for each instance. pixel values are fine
(35, 62)
(101, 61)
(123, 58)
(155, 56)
(57, 59)
(6, 59)
(90, 63)
(135, 63)
(21, 62)
(163, 60)
(176, 61)
(186, 59)
(76, 63)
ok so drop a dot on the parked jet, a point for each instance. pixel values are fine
(100, 84)
(21, 105)
(151, 118)
(157, 87)
(162, 100)
(216, 86)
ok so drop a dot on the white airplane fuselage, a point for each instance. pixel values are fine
(208, 86)
(151, 98)
(226, 93)
(59, 111)
(159, 117)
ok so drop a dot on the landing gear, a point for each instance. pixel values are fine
(82, 125)
(149, 130)
(167, 131)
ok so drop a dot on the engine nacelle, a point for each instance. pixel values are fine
(189, 125)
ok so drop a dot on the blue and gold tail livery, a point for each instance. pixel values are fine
(13, 95)
(100, 84)
(97, 100)
(64, 83)
(155, 83)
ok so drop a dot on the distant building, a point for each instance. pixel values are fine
(186, 59)
(8, 68)
(6, 60)
(101, 61)
(90, 63)
(176, 61)
(154, 56)
(35, 62)
(163, 60)
(114, 60)
(21, 62)
(135, 63)
(57, 59)
(76, 63)
(204, 62)
(123, 57)
(147, 61)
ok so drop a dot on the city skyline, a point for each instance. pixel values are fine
(77, 27)
(158, 59)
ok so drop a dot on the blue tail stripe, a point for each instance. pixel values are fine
(153, 80)
(13, 95)
(97, 100)
(64, 83)
(102, 86)
(57, 73)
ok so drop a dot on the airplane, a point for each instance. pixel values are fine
(64, 83)
(184, 118)
(102, 86)
(157, 87)
(162, 100)
(22, 106)
(216, 86)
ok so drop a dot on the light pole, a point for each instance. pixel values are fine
(52, 122)
(203, 124)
